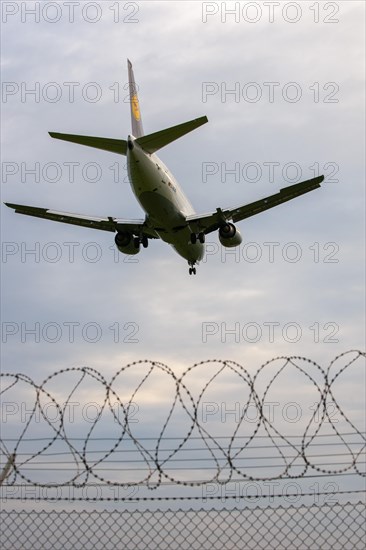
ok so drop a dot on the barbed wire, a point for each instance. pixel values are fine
(201, 498)
(121, 450)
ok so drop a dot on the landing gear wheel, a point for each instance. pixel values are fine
(192, 271)
(201, 237)
(136, 242)
(193, 238)
(145, 241)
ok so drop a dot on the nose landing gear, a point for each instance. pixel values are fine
(192, 269)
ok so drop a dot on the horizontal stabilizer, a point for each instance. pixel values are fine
(118, 146)
(153, 142)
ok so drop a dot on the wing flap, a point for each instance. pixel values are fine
(284, 195)
(75, 219)
(211, 222)
(118, 146)
(137, 227)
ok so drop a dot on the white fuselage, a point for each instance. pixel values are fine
(164, 202)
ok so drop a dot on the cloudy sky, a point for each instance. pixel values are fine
(283, 89)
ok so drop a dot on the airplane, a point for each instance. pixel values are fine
(168, 213)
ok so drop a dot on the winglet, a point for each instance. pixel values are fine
(136, 122)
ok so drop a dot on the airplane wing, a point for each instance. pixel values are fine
(211, 222)
(137, 227)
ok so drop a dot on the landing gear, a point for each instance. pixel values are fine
(200, 237)
(143, 240)
(192, 269)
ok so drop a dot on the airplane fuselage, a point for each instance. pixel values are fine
(163, 200)
(168, 213)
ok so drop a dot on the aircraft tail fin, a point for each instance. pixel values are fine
(136, 122)
(150, 143)
(157, 140)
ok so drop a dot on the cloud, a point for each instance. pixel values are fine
(295, 286)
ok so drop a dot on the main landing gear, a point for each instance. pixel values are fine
(143, 240)
(200, 237)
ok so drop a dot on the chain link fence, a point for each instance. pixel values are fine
(340, 526)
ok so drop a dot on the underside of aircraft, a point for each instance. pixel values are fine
(168, 213)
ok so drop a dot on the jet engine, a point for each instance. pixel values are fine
(229, 235)
(125, 243)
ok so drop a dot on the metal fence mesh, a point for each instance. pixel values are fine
(315, 527)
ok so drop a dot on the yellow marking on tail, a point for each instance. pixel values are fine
(135, 107)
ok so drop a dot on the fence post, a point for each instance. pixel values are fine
(7, 467)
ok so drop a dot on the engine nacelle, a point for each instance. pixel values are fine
(229, 235)
(125, 243)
